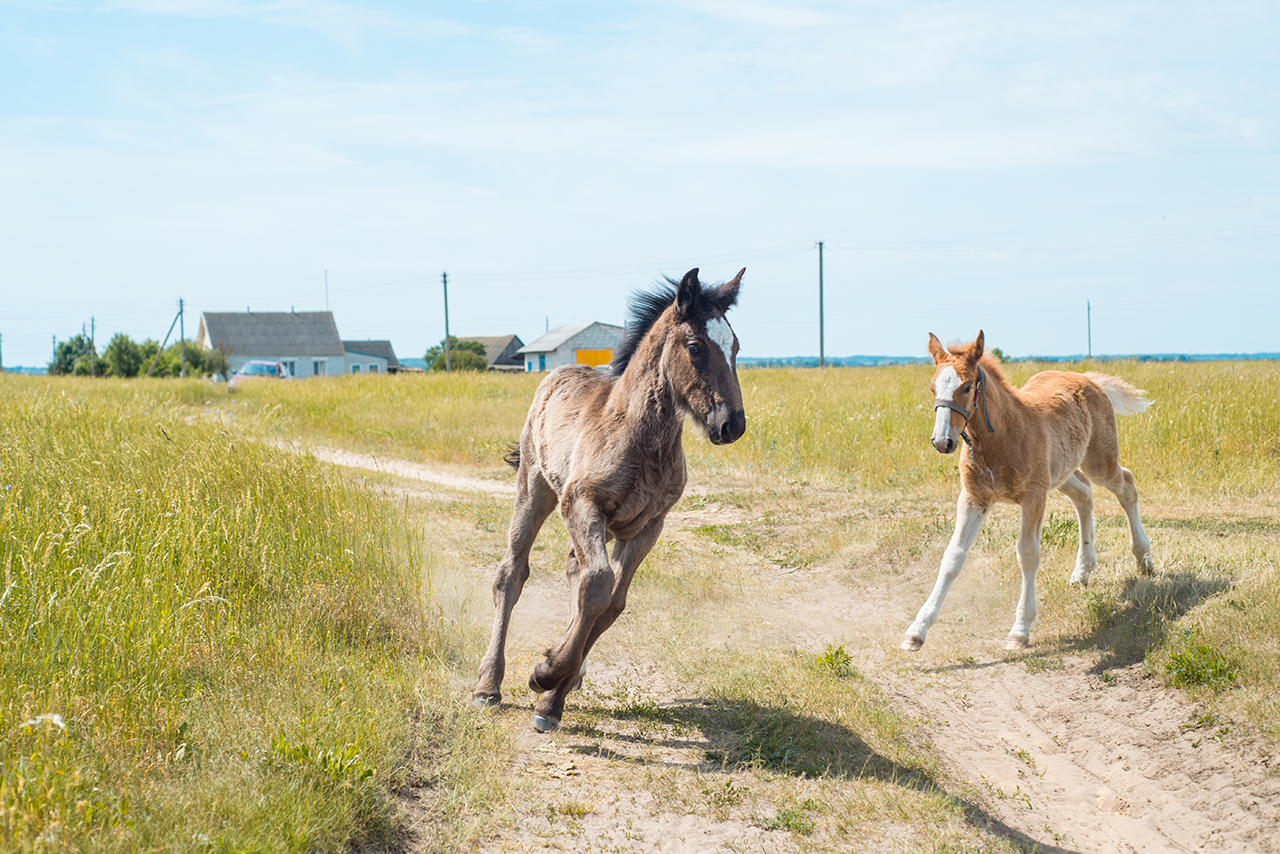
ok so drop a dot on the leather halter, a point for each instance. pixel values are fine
(979, 389)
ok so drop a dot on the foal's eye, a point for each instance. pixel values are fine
(694, 349)
(964, 389)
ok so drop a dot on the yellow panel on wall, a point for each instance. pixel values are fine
(593, 358)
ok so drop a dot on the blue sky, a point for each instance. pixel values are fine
(968, 165)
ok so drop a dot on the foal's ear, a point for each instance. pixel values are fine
(977, 346)
(726, 296)
(687, 293)
(936, 350)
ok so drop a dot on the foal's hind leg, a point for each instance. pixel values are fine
(534, 503)
(1122, 484)
(1077, 488)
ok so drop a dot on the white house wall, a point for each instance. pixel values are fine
(360, 362)
(555, 359)
(335, 366)
(595, 337)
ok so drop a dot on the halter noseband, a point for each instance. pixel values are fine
(979, 389)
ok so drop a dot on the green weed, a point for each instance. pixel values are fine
(1194, 663)
(835, 660)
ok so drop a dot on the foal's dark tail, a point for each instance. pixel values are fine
(512, 456)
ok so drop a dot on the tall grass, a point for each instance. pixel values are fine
(464, 418)
(206, 644)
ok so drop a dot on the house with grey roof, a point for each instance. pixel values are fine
(306, 342)
(574, 343)
(500, 351)
(371, 357)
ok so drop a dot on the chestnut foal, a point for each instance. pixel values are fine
(607, 449)
(1057, 432)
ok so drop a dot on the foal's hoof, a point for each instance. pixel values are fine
(543, 724)
(1146, 566)
(1015, 643)
(485, 701)
(912, 644)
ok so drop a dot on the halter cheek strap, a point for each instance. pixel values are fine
(979, 390)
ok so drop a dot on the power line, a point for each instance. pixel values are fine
(1221, 235)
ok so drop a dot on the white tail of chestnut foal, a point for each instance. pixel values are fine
(1056, 432)
(1125, 399)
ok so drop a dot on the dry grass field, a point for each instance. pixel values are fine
(248, 648)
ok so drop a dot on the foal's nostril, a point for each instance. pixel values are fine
(726, 427)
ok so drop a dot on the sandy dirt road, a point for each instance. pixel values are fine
(1065, 758)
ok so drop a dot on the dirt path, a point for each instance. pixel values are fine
(1097, 767)
(1064, 758)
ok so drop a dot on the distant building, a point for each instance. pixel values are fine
(501, 351)
(371, 357)
(580, 343)
(306, 342)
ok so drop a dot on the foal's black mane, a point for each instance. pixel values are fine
(643, 310)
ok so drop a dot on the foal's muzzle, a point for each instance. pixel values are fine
(726, 425)
(945, 437)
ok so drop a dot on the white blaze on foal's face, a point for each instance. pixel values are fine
(945, 385)
(718, 330)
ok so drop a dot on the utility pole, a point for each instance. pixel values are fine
(444, 278)
(1088, 322)
(156, 358)
(182, 339)
(822, 344)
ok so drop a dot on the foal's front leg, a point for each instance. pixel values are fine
(591, 596)
(1029, 562)
(969, 518)
(627, 556)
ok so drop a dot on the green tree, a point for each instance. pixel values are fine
(74, 356)
(463, 356)
(200, 362)
(123, 356)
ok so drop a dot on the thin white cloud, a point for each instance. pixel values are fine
(759, 13)
(344, 23)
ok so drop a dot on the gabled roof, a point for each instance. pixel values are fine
(379, 349)
(561, 334)
(273, 333)
(495, 345)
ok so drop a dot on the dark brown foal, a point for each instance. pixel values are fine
(606, 448)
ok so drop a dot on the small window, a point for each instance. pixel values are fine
(318, 367)
(355, 369)
(373, 369)
(542, 361)
(292, 367)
